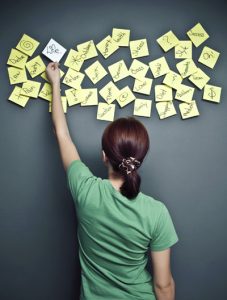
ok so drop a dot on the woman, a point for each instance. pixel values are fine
(117, 223)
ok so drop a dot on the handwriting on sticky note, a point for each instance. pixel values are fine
(159, 67)
(109, 92)
(95, 72)
(183, 50)
(125, 96)
(27, 45)
(138, 69)
(74, 60)
(186, 67)
(105, 111)
(139, 48)
(199, 78)
(121, 36)
(172, 79)
(212, 93)
(17, 59)
(168, 41)
(142, 107)
(118, 70)
(184, 93)
(165, 109)
(107, 46)
(209, 57)
(197, 35)
(17, 98)
(54, 51)
(87, 50)
(17, 75)
(163, 93)
(143, 86)
(46, 92)
(30, 88)
(35, 66)
(189, 110)
(73, 78)
(73, 96)
(88, 97)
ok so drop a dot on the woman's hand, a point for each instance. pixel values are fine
(53, 73)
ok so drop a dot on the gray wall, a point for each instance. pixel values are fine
(185, 168)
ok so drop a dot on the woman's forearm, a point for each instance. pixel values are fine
(58, 116)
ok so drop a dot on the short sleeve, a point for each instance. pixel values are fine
(79, 179)
(165, 234)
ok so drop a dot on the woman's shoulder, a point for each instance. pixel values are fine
(151, 202)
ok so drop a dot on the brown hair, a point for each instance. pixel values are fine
(122, 139)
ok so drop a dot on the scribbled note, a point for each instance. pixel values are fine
(184, 93)
(27, 45)
(105, 111)
(17, 75)
(125, 96)
(73, 78)
(54, 51)
(159, 67)
(73, 96)
(142, 107)
(88, 97)
(212, 93)
(121, 36)
(143, 86)
(17, 59)
(17, 98)
(30, 88)
(46, 92)
(189, 110)
(163, 93)
(109, 92)
(138, 69)
(139, 48)
(87, 50)
(35, 66)
(183, 50)
(209, 57)
(118, 70)
(197, 35)
(74, 60)
(168, 41)
(186, 67)
(107, 46)
(199, 78)
(165, 109)
(95, 72)
(173, 80)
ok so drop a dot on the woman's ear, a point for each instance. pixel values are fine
(104, 157)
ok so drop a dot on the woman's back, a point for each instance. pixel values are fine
(114, 236)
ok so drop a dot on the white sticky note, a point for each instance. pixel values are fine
(54, 51)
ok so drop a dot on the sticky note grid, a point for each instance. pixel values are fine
(26, 70)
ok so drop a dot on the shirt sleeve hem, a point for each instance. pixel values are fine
(166, 246)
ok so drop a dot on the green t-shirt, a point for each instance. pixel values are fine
(114, 234)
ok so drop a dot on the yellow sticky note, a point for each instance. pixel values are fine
(186, 67)
(188, 110)
(159, 67)
(63, 102)
(73, 96)
(89, 97)
(199, 78)
(168, 41)
(212, 93)
(16, 75)
(142, 107)
(30, 88)
(87, 50)
(74, 60)
(163, 93)
(184, 93)
(125, 96)
(35, 66)
(121, 36)
(95, 72)
(209, 57)
(17, 59)
(165, 109)
(143, 86)
(105, 111)
(109, 92)
(46, 92)
(27, 45)
(17, 98)
(172, 79)
(197, 35)
(73, 78)
(107, 46)
(118, 70)
(138, 69)
(44, 75)
(139, 48)
(183, 50)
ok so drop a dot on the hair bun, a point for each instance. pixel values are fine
(129, 164)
